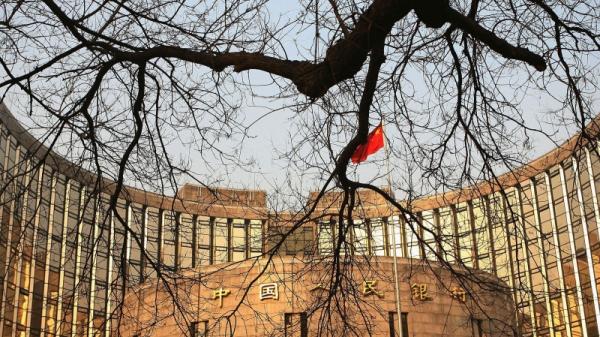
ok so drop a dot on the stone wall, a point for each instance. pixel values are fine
(430, 295)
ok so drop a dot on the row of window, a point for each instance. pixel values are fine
(64, 258)
(541, 237)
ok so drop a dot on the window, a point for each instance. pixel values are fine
(153, 237)
(170, 230)
(476, 325)
(238, 239)
(361, 237)
(186, 241)
(396, 237)
(255, 237)
(429, 230)
(393, 321)
(377, 237)
(296, 324)
(221, 240)
(203, 229)
(199, 329)
(325, 237)
(299, 241)
(465, 234)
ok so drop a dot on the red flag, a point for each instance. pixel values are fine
(373, 144)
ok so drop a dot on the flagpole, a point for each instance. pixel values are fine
(395, 255)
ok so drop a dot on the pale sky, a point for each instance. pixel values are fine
(270, 134)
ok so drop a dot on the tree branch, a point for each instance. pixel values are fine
(342, 60)
(377, 59)
(496, 43)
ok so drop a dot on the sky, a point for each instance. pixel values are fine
(270, 132)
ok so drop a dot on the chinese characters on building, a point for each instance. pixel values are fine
(220, 293)
(268, 291)
(370, 288)
(418, 291)
(459, 293)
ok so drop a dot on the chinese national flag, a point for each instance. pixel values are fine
(373, 144)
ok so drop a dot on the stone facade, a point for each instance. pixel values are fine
(435, 301)
(66, 261)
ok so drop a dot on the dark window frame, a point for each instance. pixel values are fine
(194, 329)
(287, 320)
(392, 323)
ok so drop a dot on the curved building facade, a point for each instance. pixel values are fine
(66, 261)
(289, 297)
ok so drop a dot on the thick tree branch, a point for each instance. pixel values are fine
(496, 43)
(342, 60)
(377, 59)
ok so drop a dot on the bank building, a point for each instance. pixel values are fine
(515, 258)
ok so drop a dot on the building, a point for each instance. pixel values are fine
(289, 297)
(65, 260)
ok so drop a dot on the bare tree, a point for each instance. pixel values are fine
(115, 86)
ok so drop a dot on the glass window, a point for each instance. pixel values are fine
(203, 228)
(41, 251)
(545, 211)
(119, 249)
(295, 325)
(87, 235)
(518, 256)
(482, 236)
(221, 240)
(72, 240)
(238, 239)
(137, 226)
(256, 237)
(465, 234)
(308, 238)
(377, 236)
(136, 242)
(360, 237)
(299, 241)
(500, 244)
(186, 238)
(153, 237)
(396, 234)
(412, 232)
(393, 324)
(587, 197)
(325, 237)
(102, 260)
(199, 329)
(57, 223)
(169, 239)
(531, 243)
(577, 227)
(3, 142)
(447, 234)
(429, 229)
